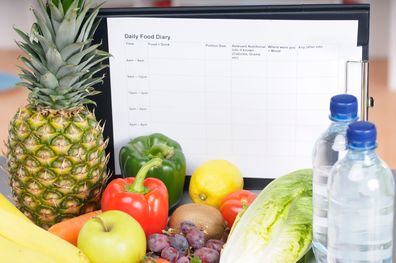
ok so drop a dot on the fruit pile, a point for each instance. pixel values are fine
(194, 232)
(186, 246)
(57, 166)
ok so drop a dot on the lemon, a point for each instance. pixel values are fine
(213, 180)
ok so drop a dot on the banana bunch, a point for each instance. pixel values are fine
(22, 241)
(9, 207)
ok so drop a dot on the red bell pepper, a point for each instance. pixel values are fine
(146, 200)
(233, 203)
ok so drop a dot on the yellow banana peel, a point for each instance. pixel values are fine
(28, 235)
(12, 252)
(8, 206)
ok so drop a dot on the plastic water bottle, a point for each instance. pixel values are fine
(329, 148)
(361, 196)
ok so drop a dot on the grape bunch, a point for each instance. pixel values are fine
(186, 247)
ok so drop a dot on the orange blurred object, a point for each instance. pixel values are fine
(70, 228)
(155, 260)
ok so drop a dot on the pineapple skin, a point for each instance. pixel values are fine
(57, 163)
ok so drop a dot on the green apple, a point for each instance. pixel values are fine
(113, 236)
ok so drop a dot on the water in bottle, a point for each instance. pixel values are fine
(361, 196)
(329, 148)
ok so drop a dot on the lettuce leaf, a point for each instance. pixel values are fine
(277, 226)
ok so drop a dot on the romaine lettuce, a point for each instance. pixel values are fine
(277, 226)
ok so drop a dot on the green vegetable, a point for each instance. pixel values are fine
(196, 259)
(309, 257)
(172, 170)
(277, 226)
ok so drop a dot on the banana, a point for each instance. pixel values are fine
(35, 238)
(8, 206)
(13, 253)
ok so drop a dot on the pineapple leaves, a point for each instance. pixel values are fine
(29, 50)
(38, 65)
(85, 62)
(76, 59)
(69, 6)
(45, 44)
(49, 80)
(91, 82)
(64, 104)
(56, 16)
(88, 101)
(83, 13)
(55, 2)
(43, 26)
(24, 84)
(86, 28)
(35, 30)
(62, 64)
(73, 48)
(45, 100)
(94, 27)
(67, 29)
(69, 80)
(96, 61)
(66, 70)
(65, 90)
(68, 3)
(28, 63)
(56, 98)
(76, 94)
(97, 70)
(28, 77)
(28, 46)
(47, 92)
(60, 7)
(22, 35)
(46, 17)
(54, 59)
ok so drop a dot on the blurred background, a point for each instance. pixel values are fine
(382, 58)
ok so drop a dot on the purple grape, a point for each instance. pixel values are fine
(196, 238)
(157, 242)
(179, 242)
(183, 260)
(207, 255)
(215, 244)
(185, 226)
(170, 253)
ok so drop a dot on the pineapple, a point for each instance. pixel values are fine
(55, 149)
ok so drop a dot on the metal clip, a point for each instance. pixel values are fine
(367, 102)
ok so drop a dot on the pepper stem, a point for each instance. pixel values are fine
(138, 185)
(164, 150)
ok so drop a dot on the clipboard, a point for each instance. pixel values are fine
(359, 12)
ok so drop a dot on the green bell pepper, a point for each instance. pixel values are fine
(173, 169)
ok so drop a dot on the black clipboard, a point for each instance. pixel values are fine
(360, 12)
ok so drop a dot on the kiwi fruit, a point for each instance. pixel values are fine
(207, 218)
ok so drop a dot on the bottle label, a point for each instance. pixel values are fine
(340, 143)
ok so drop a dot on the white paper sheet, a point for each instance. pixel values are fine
(254, 92)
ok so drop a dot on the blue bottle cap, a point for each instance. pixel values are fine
(362, 135)
(343, 107)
